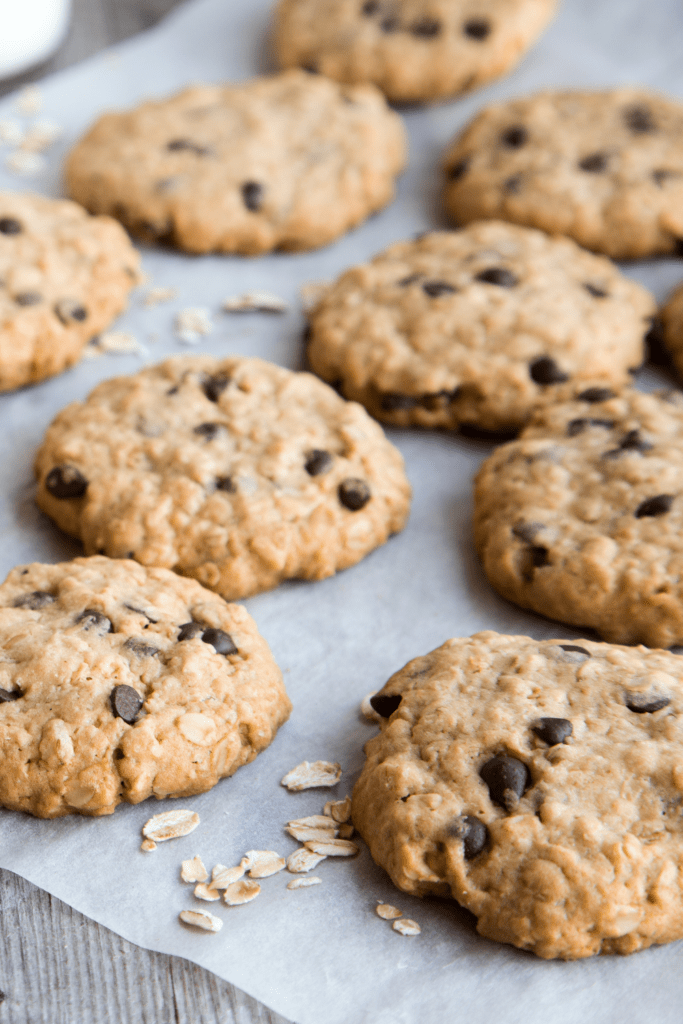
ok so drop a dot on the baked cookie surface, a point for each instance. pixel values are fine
(64, 276)
(470, 327)
(235, 471)
(605, 168)
(672, 327)
(540, 783)
(581, 518)
(413, 50)
(287, 162)
(121, 682)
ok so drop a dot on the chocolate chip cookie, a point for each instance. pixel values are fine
(287, 162)
(471, 327)
(413, 50)
(121, 682)
(540, 783)
(581, 518)
(64, 276)
(233, 471)
(603, 167)
(672, 327)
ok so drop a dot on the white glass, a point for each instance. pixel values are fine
(30, 30)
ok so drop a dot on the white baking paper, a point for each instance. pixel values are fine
(321, 955)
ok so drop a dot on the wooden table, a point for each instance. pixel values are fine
(56, 966)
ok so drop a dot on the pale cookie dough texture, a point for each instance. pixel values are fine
(413, 50)
(287, 162)
(120, 682)
(540, 784)
(234, 471)
(581, 518)
(672, 327)
(471, 327)
(603, 167)
(64, 276)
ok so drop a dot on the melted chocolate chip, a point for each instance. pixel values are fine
(385, 703)
(515, 136)
(498, 276)
(527, 531)
(139, 611)
(553, 730)
(227, 484)
(392, 401)
(573, 649)
(634, 441)
(513, 185)
(370, 7)
(639, 120)
(477, 28)
(209, 431)
(10, 226)
(318, 462)
(190, 630)
(656, 506)
(125, 703)
(596, 163)
(458, 170)
(546, 371)
(662, 175)
(539, 556)
(433, 400)
(507, 779)
(644, 703)
(139, 648)
(577, 426)
(68, 310)
(354, 494)
(176, 145)
(38, 599)
(93, 621)
(426, 28)
(405, 282)
(66, 482)
(28, 298)
(474, 834)
(252, 194)
(436, 288)
(7, 695)
(213, 387)
(595, 290)
(390, 25)
(596, 395)
(221, 641)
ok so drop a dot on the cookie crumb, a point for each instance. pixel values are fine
(193, 870)
(339, 810)
(148, 845)
(263, 863)
(303, 860)
(406, 927)
(255, 302)
(206, 892)
(155, 296)
(367, 710)
(345, 831)
(29, 101)
(170, 825)
(333, 848)
(312, 775)
(192, 324)
(387, 912)
(303, 883)
(241, 892)
(201, 919)
(118, 342)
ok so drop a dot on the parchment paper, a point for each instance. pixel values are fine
(320, 955)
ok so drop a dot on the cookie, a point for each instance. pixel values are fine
(287, 162)
(603, 167)
(471, 327)
(64, 276)
(121, 682)
(581, 518)
(540, 783)
(233, 471)
(414, 50)
(672, 327)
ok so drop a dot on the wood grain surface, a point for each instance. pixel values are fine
(57, 966)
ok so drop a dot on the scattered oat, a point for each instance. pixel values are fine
(148, 845)
(406, 927)
(11, 132)
(345, 831)
(201, 919)
(387, 912)
(155, 296)
(170, 825)
(206, 892)
(303, 883)
(315, 821)
(29, 101)
(40, 136)
(22, 162)
(263, 863)
(367, 710)
(255, 302)
(193, 870)
(340, 810)
(311, 293)
(192, 324)
(241, 892)
(311, 775)
(222, 877)
(303, 860)
(333, 848)
(118, 342)
(304, 833)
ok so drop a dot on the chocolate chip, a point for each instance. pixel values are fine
(176, 145)
(125, 703)
(190, 630)
(69, 310)
(318, 462)
(370, 7)
(553, 730)
(458, 170)
(546, 371)
(527, 531)
(595, 290)
(661, 175)
(10, 226)
(252, 194)
(474, 834)
(498, 276)
(139, 648)
(513, 185)
(426, 28)
(354, 494)
(573, 649)
(221, 641)
(406, 281)
(596, 395)
(66, 482)
(91, 620)
(514, 137)
(639, 119)
(577, 426)
(38, 599)
(656, 506)
(436, 288)
(634, 441)
(227, 484)
(385, 703)
(28, 298)
(643, 703)
(539, 556)
(139, 611)
(596, 163)
(213, 387)
(477, 28)
(390, 25)
(678, 246)
(507, 779)
(392, 401)
(7, 695)
(209, 431)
